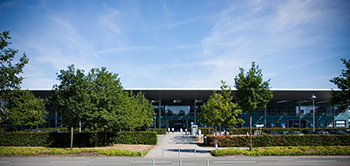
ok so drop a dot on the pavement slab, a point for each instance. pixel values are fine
(171, 143)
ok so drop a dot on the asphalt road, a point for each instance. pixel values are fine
(220, 161)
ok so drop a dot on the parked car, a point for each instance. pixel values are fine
(321, 132)
(285, 133)
(57, 131)
(296, 133)
(307, 131)
(270, 132)
(40, 131)
(347, 131)
(338, 132)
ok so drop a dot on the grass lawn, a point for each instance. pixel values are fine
(286, 151)
(43, 151)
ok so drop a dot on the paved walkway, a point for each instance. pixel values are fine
(171, 143)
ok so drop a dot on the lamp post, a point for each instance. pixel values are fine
(313, 97)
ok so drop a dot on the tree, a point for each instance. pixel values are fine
(342, 97)
(9, 79)
(106, 100)
(142, 111)
(219, 109)
(252, 93)
(70, 96)
(24, 108)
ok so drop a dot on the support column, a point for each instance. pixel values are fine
(167, 124)
(333, 117)
(265, 116)
(195, 111)
(187, 124)
(160, 113)
(55, 118)
(299, 115)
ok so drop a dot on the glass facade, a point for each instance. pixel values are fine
(286, 116)
(288, 108)
(278, 113)
(176, 116)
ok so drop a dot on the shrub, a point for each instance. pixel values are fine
(80, 139)
(281, 140)
(204, 130)
(159, 131)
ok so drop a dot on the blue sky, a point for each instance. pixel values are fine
(181, 44)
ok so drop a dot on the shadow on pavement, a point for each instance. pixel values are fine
(187, 150)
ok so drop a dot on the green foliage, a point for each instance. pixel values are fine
(136, 138)
(70, 96)
(141, 110)
(9, 79)
(205, 131)
(342, 97)
(282, 140)
(252, 93)
(99, 101)
(158, 131)
(24, 108)
(219, 109)
(81, 139)
(287, 151)
(64, 151)
(105, 107)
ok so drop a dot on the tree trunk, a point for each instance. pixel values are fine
(215, 130)
(95, 137)
(37, 126)
(105, 142)
(250, 132)
(220, 130)
(71, 137)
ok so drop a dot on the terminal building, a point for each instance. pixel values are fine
(180, 108)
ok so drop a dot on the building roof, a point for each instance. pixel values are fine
(189, 95)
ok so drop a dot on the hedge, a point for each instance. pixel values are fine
(159, 131)
(79, 139)
(204, 130)
(277, 130)
(281, 140)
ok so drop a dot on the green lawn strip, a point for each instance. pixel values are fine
(65, 151)
(286, 151)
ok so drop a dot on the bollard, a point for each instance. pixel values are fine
(180, 162)
(162, 152)
(141, 151)
(179, 152)
(207, 162)
(205, 140)
(153, 162)
(216, 147)
(194, 151)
